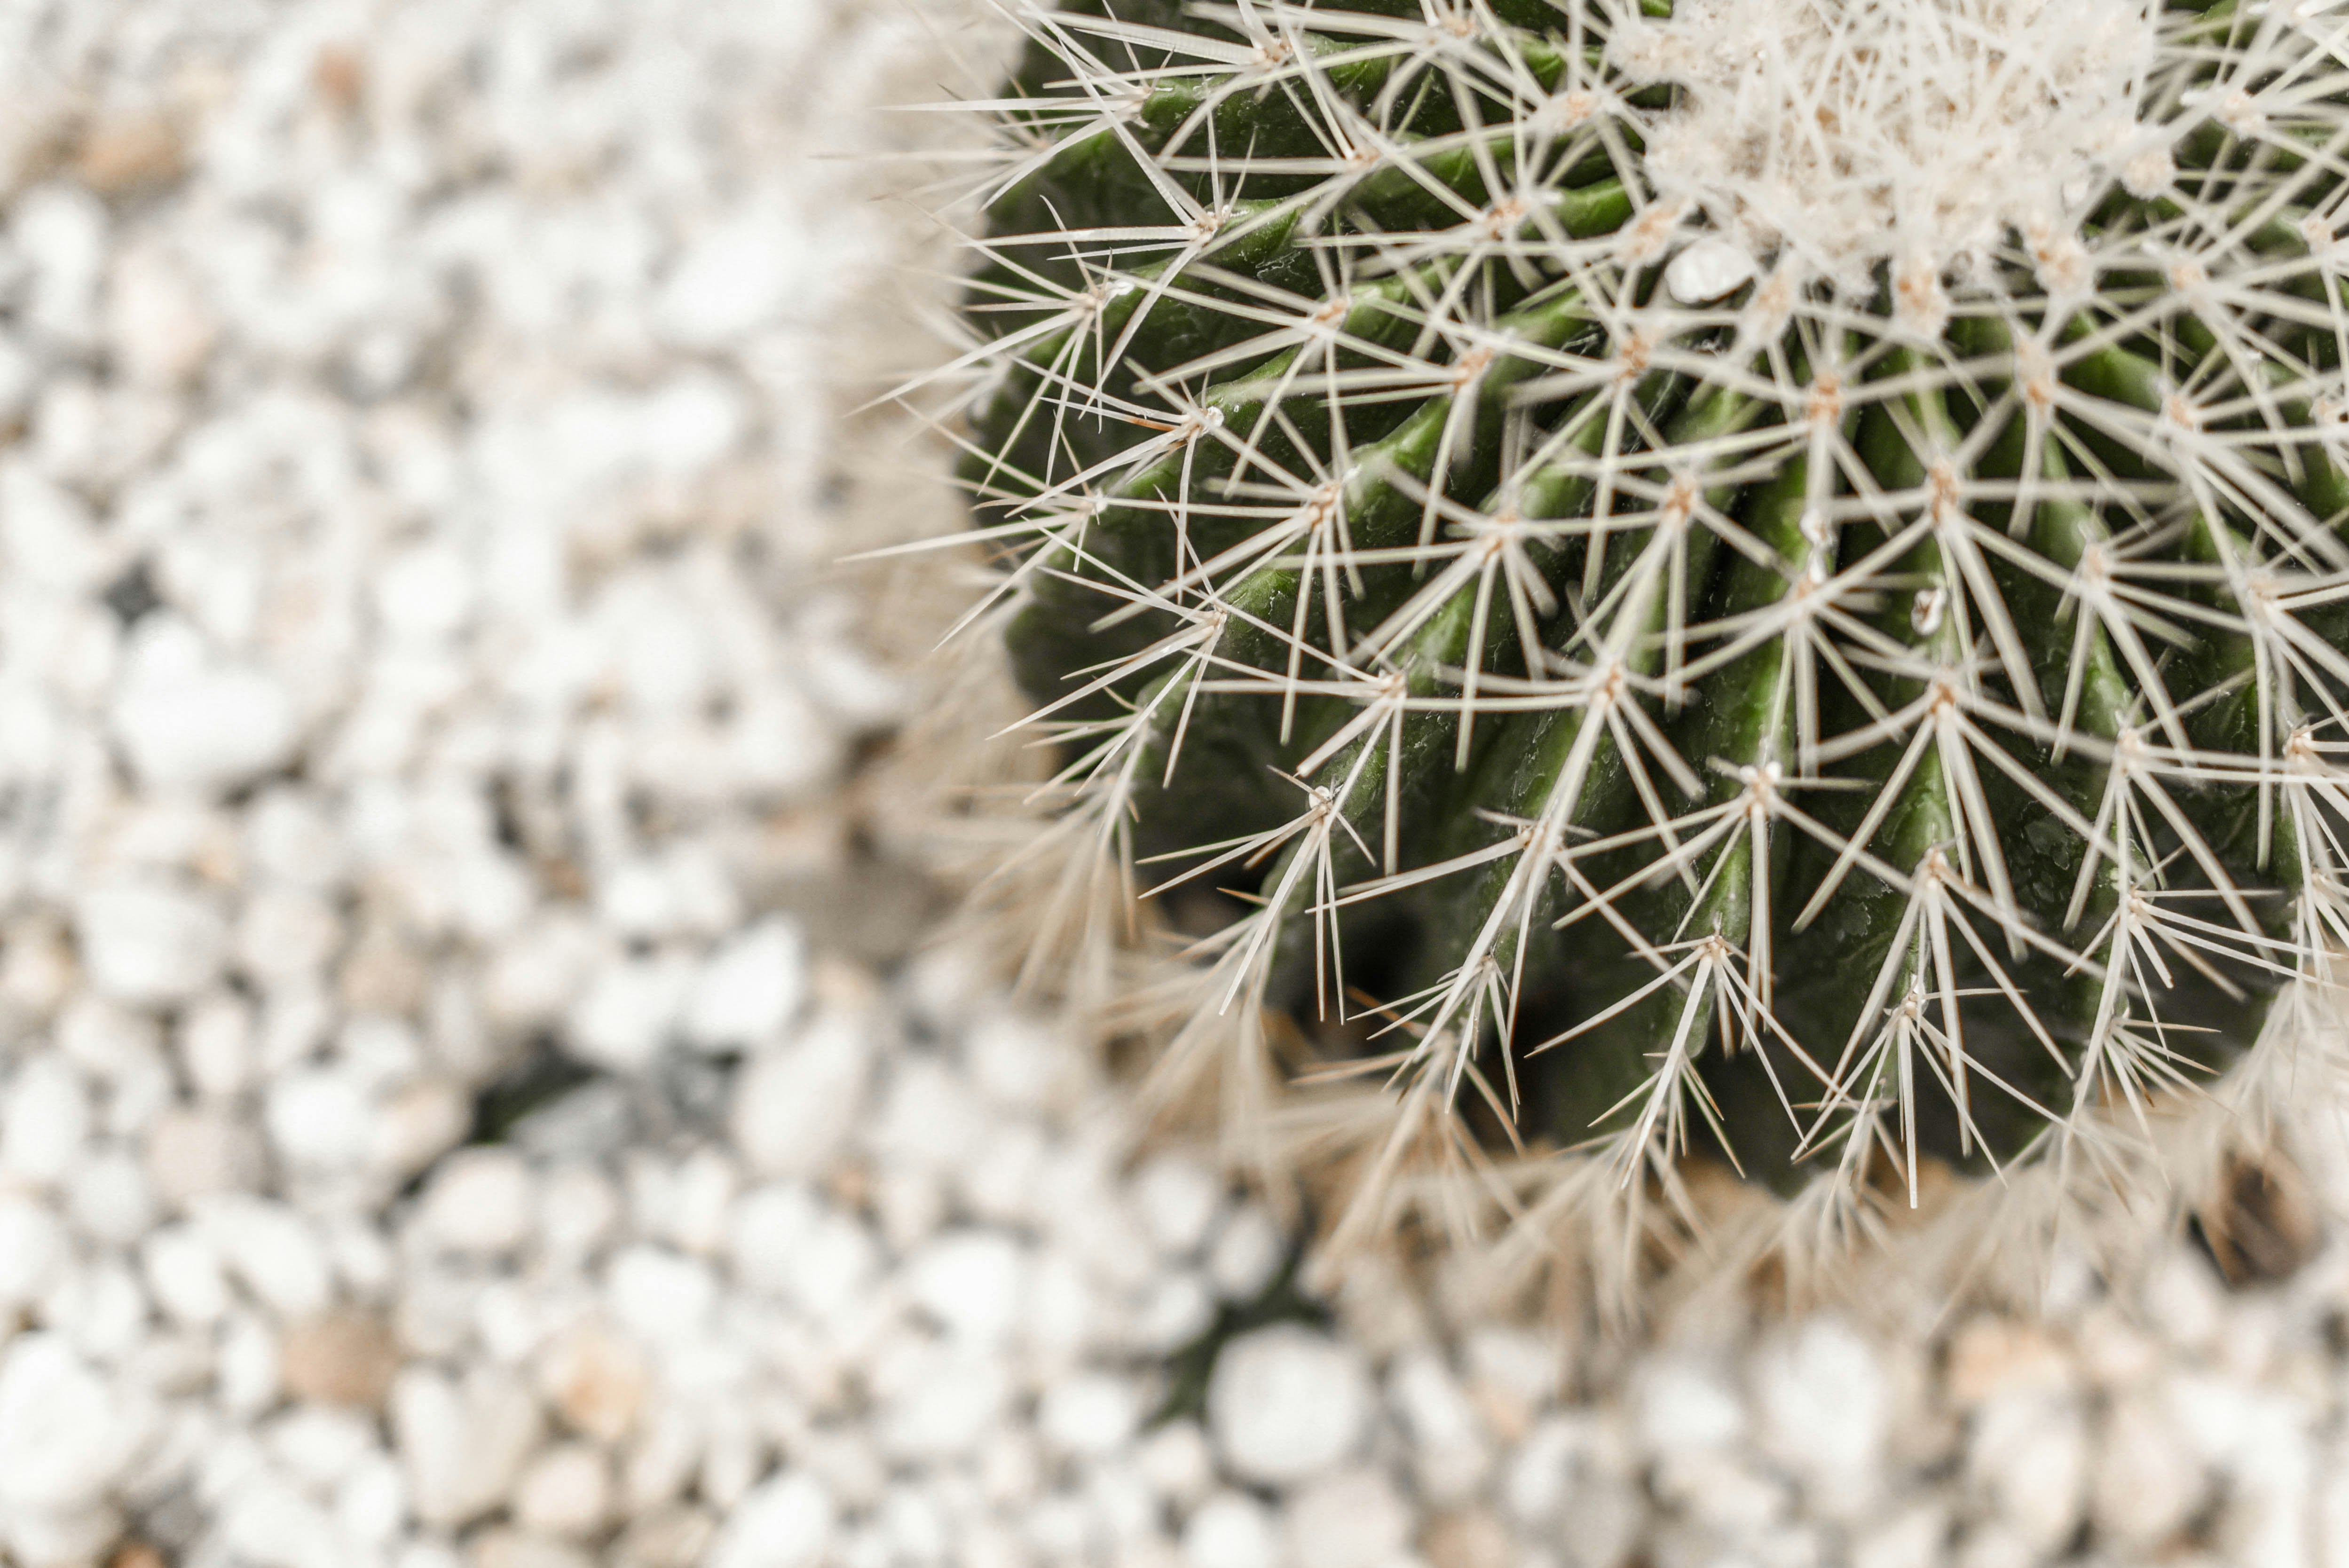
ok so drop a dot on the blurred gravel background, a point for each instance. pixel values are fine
(475, 1092)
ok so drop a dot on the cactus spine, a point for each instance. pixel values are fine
(1764, 579)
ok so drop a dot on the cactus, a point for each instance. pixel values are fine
(1761, 582)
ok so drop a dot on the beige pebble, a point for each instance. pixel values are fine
(517, 1549)
(675, 1535)
(128, 155)
(595, 1380)
(2001, 1356)
(380, 975)
(193, 1154)
(340, 78)
(419, 1123)
(2113, 1352)
(36, 966)
(1467, 1537)
(341, 1358)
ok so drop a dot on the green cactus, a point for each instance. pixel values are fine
(1766, 578)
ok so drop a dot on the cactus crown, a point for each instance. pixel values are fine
(1765, 578)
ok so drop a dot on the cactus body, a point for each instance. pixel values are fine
(1766, 579)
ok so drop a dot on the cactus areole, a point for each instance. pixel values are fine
(1761, 578)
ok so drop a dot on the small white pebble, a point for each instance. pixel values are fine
(146, 943)
(1177, 1462)
(1246, 1254)
(320, 1443)
(1058, 1526)
(765, 1229)
(2183, 1301)
(250, 1375)
(1914, 1537)
(1684, 1406)
(1286, 1404)
(1722, 1491)
(660, 1462)
(276, 1253)
(945, 1408)
(1178, 1198)
(928, 1120)
(2029, 1452)
(1020, 1061)
(1177, 1310)
(796, 1106)
(183, 1271)
(828, 1274)
(106, 1041)
(188, 721)
(371, 1501)
(1004, 1187)
(425, 593)
(214, 1040)
(578, 1210)
(293, 839)
(286, 935)
(65, 1434)
(788, 1522)
(695, 1198)
(1350, 1519)
(971, 1282)
(318, 1118)
(1825, 1409)
(624, 1019)
(270, 1525)
(102, 1309)
(1514, 1371)
(1089, 1416)
(428, 1555)
(2147, 1481)
(480, 1203)
(1452, 1451)
(917, 1528)
(1011, 1468)
(732, 279)
(61, 230)
(564, 1492)
(44, 1119)
(1231, 1530)
(658, 1294)
(749, 989)
(110, 1198)
(1067, 1318)
(1709, 269)
(460, 1449)
(33, 1249)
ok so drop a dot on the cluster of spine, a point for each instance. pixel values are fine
(1641, 689)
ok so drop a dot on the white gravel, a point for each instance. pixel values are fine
(426, 433)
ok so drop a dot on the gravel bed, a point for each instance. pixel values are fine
(476, 1088)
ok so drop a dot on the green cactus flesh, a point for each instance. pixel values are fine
(1683, 657)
